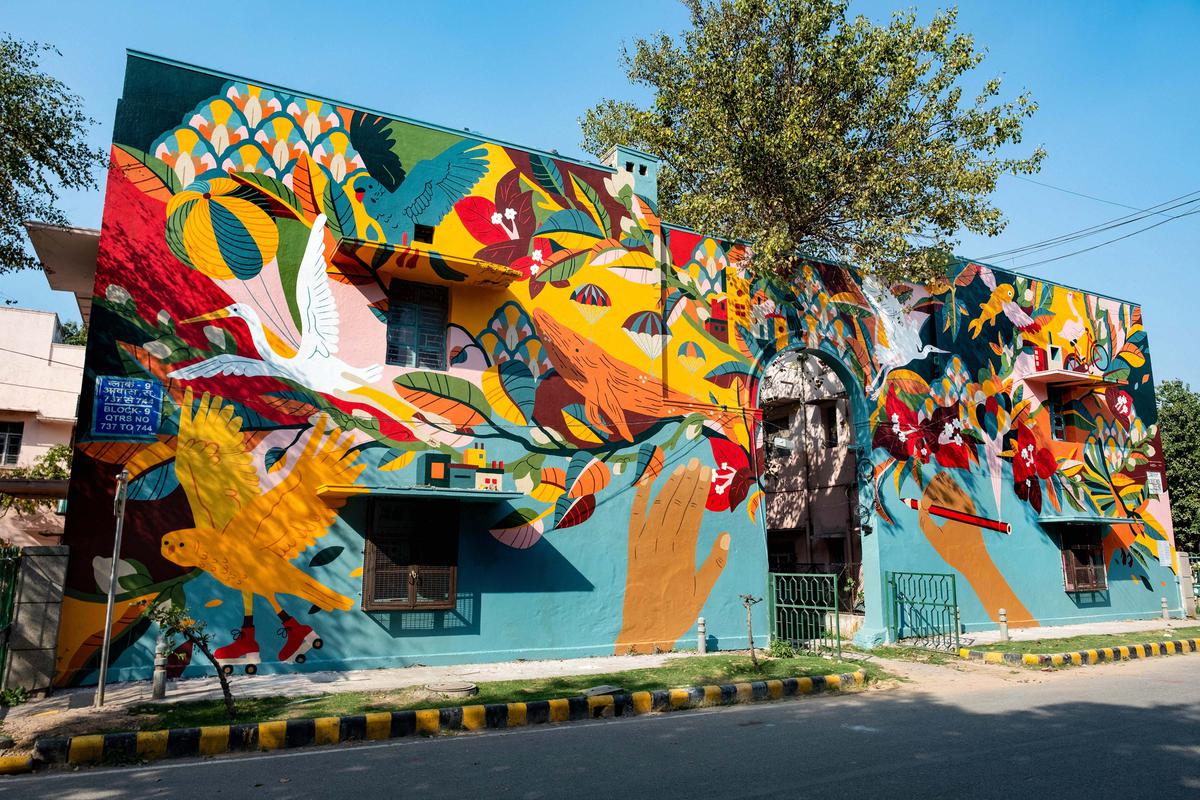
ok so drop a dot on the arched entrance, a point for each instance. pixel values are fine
(815, 480)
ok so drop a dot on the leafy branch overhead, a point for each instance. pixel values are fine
(789, 124)
(42, 147)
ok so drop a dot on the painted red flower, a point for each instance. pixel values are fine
(731, 477)
(1031, 464)
(902, 434)
(1120, 403)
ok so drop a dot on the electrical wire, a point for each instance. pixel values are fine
(1108, 242)
(1080, 194)
(1103, 227)
(41, 358)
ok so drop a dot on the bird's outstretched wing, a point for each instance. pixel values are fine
(212, 463)
(291, 516)
(1017, 316)
(226, 364)
(989, 278)
(318, 309)
(433, 186)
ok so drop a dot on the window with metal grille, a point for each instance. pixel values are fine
(411, 558)
(1058, 419)
(10, 442)
(416, 326)
(1083, 559)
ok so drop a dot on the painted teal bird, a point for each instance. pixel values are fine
(428, 191)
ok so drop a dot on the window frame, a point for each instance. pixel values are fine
(829, 425)
(421, 357)
(1055, 407)
(1083, 573)
(11, 457)
(371, 553)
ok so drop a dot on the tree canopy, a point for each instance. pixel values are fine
(1179, 427)
(790, 125)
(42, 147)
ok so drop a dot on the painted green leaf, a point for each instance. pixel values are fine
(339, 211)
(155, 484)
(546, 173)
(272, 457)
(519, 385)
(570, 220)
(564, 270)
(156, 166)
(450, 387)
(725, 374)
(135, 583)
(276, 189)
(584, 188)
(326, 555)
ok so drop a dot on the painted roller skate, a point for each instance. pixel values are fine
(300, 639)
(242, 651)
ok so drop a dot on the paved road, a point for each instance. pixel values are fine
(1129, 729)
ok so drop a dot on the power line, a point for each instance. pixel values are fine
(1079, 194)
(39, 388)
(1110, 241)
(1103, 227)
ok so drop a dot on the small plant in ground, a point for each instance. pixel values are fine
(781, 648)
(749, 600)
(14, 696)
(175, 621)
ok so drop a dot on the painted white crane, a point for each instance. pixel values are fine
(313, 364)
(898, 339)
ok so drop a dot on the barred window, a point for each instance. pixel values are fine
(411, 558)
(10, 442)
(416, 325)
(1083, 560)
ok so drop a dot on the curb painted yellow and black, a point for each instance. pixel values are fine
(1094, 656)
(15, 765)
(282, 734)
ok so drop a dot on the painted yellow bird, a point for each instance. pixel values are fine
(247, 539)
(1002, 299)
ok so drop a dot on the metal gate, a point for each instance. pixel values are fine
(10, 559)
(922, 609)
(804, 611)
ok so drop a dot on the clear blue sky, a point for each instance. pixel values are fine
(1120, 102)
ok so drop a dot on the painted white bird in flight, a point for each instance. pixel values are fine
(898, 336)
(313, 364)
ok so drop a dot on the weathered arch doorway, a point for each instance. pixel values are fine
(813, 503)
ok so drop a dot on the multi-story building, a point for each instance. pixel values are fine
(410, 394)
(39, 391)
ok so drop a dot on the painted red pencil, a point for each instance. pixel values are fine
(960, 516)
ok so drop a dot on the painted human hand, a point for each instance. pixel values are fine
(961, 546)
(664, 591)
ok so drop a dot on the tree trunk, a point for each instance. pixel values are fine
(750, 635)
(230, 709)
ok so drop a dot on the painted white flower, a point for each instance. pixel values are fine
(117, 294)
(496, 218)
(533, 269)
(537, 255)
(510, 213)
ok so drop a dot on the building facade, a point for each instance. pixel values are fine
(38, 396)
(430, 397)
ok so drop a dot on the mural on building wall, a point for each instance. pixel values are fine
(598, 358)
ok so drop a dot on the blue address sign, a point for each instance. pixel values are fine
(126, 408)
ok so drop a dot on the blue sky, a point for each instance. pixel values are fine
(1120, 103)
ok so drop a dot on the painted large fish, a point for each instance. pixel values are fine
(613, 390)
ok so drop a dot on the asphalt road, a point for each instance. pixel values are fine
(1128, 729)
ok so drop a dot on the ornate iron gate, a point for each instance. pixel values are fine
(922, 609)
(10, 559)
(804, 611)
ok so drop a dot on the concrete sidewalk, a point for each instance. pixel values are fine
(1088, 629)
(122, 695)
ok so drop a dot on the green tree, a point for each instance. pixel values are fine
(53, 465)
(176, 621)
(42, 147)
(790, 125)
(1179, 427)
(73, 333)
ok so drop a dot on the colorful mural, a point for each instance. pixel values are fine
(600, 365)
